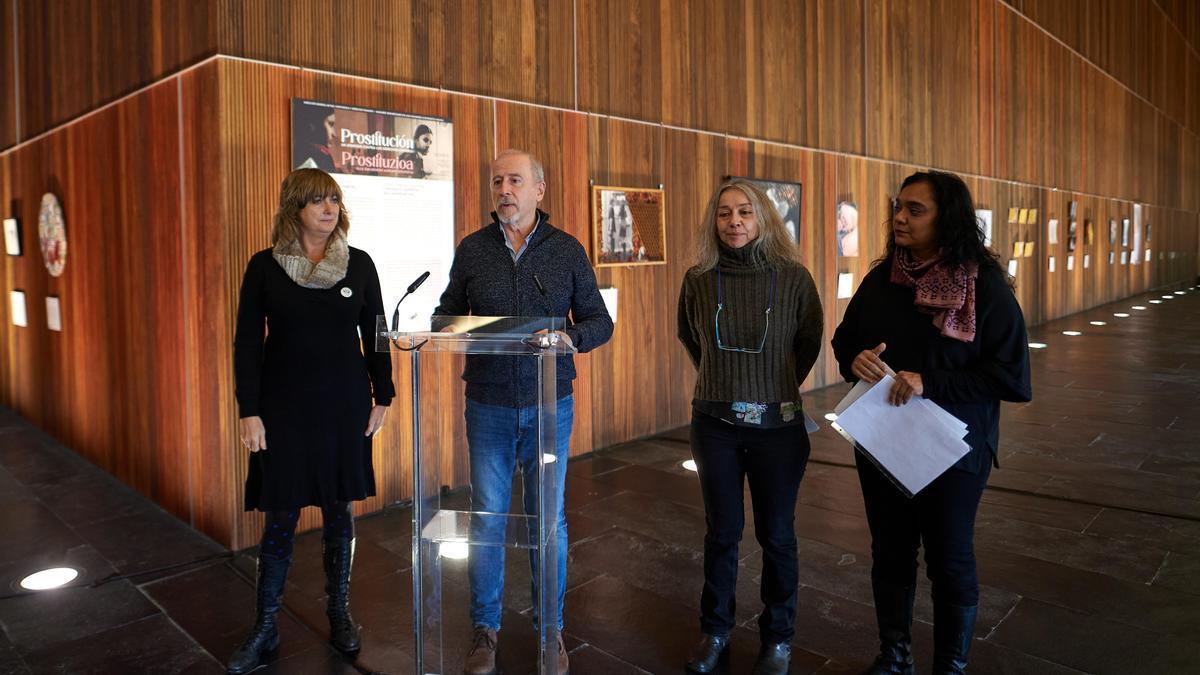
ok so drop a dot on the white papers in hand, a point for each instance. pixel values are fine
(915, 442)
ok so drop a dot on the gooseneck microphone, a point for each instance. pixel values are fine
(411, 289)
(545, 300)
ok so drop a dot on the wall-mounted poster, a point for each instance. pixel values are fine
(1147, 232)
(1137, 233)
(52, 235)
(785, 197)
(1089, 233)
(628, 226)
(1052, 230)
(396, 173)
(1125, 232)
(846, 219)
(1072, 227)
(12, 236)
(984, 218)
(1112, 230)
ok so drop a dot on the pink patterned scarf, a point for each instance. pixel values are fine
(948, 293)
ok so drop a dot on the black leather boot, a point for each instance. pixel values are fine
(708, 653)
(339, 556)
(264, 637)
(953, 629)
(893, 612)
(773, 659)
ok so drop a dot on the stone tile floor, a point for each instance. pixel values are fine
(1088, 542)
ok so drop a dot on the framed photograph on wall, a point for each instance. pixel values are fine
(628, 226)
(785, 197)
(1089, 233)
(1112, 230)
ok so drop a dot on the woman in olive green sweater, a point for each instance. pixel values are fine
(751, 321)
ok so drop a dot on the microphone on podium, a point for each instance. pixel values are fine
(411, 289)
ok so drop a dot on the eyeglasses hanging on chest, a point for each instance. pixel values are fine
(766, 319)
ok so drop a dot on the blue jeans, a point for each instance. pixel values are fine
(500, 439)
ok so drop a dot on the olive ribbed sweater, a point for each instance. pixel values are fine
(793, 339)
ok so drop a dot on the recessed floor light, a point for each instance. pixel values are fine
(454, 550)
(1122, 315)
(689, 464)
(831, 416)
(55, 577)
(1098, 323)
(1154, 302)
(1180, 292)
(1072, 333)
(1139, 307)
(1037, 345)
(1168, 297)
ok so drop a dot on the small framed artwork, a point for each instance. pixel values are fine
(1089, 233)
(1072, 235)
(1052, 230)
(1112, 230)
(1125, 232)
(628, 226)
(785, 197)
(984, 218)
(12, 236)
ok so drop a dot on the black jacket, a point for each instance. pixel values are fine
(967, 379)
(485, 281)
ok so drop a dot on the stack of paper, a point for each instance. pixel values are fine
(914, 443)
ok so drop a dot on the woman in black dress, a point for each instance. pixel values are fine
(311, 392)
(938, 311)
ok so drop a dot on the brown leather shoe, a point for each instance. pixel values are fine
(481, 660)
(564, 663)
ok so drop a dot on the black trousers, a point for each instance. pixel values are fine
(772, 461)
(942, 517)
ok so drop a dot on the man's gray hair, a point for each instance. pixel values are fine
(539, 171)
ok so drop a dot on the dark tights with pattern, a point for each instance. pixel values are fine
(279, 530)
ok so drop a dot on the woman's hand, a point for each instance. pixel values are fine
(253, 433)
(375, 421)
(868, 366)
(905, 387)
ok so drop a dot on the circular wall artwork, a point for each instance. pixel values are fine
(52, 234)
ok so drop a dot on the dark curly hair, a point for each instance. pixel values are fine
(959, 232)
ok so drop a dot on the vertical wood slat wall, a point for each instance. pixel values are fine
(169, 191)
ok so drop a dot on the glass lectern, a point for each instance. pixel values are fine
(442, 533)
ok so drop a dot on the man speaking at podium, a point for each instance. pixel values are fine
(518, 265)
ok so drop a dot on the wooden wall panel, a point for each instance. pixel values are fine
(930, 115)
(630, 396)
(8, 80)
(110, 384)
(1023, 99)
(519, 49)
(740, 69)
(78, 54)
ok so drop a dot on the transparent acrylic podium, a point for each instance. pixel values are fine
(440, 533)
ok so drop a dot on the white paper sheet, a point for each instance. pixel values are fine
(1070, 263)
(609, 295)
(1051, 259)
(845, 287)
(1012, 267)
(887, 433)
(16, 304)
(53, 313)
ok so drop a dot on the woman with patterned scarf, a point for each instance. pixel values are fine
(939, 312)
(311, 392)
(751, 321)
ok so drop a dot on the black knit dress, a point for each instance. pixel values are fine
(300, 364)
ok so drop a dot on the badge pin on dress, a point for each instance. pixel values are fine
(346, 292)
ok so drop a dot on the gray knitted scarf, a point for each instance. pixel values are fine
(303, 271)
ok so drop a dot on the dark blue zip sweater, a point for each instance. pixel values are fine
(485, 281)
